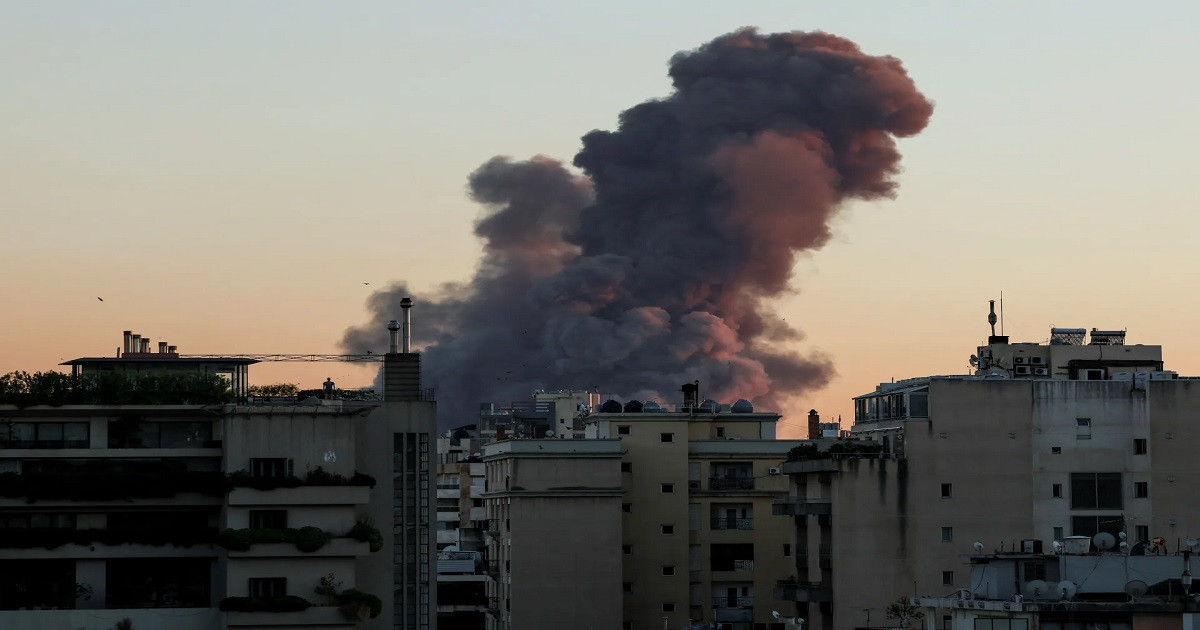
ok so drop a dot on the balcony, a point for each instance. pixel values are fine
(732, 523)
(733, 609)
(731, 483)
(302, 495)
(806, 466)
(802, 592)
(323, 616)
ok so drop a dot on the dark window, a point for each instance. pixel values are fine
(627, 549)
(1056, 491)
(267, 587)
(42, 584)
(668, 607)
(720, 432)
(667, 529)
(1056, 450)
(1143, 533)
(666, 437)
(623, 429)
(945, 491)
(1139, 447)
(787, 549)
(1034, 571)
(1096, 491)
(44, 435)
(667, 488)
(1141, 489)
(731, 557)
(626, 507)
(1000, 623)
(947, 578)
(947, 534)
(626, 625)
(1092, 525)
(668, 570)
(1058, 533)
(270, 467)
(158, 582)
(627, 587)
(626, 466)
(268, 519)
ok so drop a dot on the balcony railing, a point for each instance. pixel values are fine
(732, 523)
(492, 568)
(731, 483)
(745, 601)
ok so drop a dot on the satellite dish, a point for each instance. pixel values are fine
(974, 361)
(1037, 589)
(1122, 535)
(1057, 546)
(1135, 589)
(550, 434)
(1104, 541)
(1066, 590)
(978, 546)
(1124, 547)
(1192, 543)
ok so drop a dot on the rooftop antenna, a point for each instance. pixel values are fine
(1001, 312)
(992, 315)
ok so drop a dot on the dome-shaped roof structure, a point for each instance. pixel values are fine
(652, 407)
(709, 406)
(742, 406)
(633, 406)
(610, 406)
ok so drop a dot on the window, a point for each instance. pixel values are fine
(1056, 491)
(627, 549)
(268, 519)
(787, 549)
(668, 570)
(45, 435)
(627, 507)
(1056, 450)
(1058, 533)
(667, 488)
(268, 587)
(667, 530)
(1092, 525)
(947, 578)
(1139, 447)
(626, 466)
(666, 437)
(1096, 491)
(627, 587)
(947, 534)
(1143, 533)
(270, 467)
(668, 607)
(720, 432)
(623, 429)
(626, 625)
(945, 491)
(1141, 489)
(1034, 571)
(1083, 428)
(1000, 623)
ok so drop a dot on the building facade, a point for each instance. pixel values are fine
(1042, 442)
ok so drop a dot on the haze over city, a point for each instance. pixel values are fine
(245, 179)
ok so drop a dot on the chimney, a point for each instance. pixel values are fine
(162, 347)
(145, 345)
(393, 336)
(135, 343)
(401, 370)
(172, 349)
(128, 336)
(406, 331)
(814, 424)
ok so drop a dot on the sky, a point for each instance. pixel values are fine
(227, 176)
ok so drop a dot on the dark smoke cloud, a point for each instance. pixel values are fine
(655, 269)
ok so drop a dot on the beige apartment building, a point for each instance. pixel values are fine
(1041, 442)
(194, 513)
(683, 536)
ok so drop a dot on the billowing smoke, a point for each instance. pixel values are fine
(657, 268)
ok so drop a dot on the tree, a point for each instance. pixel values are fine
(904, 610)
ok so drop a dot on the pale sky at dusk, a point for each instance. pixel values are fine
(227, 175)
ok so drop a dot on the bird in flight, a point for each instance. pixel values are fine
(366, 283)
(100, 298)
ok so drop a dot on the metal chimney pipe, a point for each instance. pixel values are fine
(394, 336)
(145, 345)
(128, 335)
(162, 347)
(135, 343)
(406, 332)
(172, 349)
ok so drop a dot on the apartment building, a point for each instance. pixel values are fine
(1044, 441)
(148, 488)
(461, 523)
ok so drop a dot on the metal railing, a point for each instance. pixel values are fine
(745, 601)
(722, 522)
(731, 483)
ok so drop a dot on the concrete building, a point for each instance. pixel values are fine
(461, 522)
(1070, 588)
(554, 548)
(1041, 442)
(147, 498)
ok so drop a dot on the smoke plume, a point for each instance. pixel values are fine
(656, 268)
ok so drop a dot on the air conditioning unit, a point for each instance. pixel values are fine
(1021, 360)
(1037, 360)
(774, 471)
(1022, 370)
(1041, 371)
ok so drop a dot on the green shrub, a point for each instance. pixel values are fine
(23, 389)
(365, 531)
(310, 539)
(353, 600)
